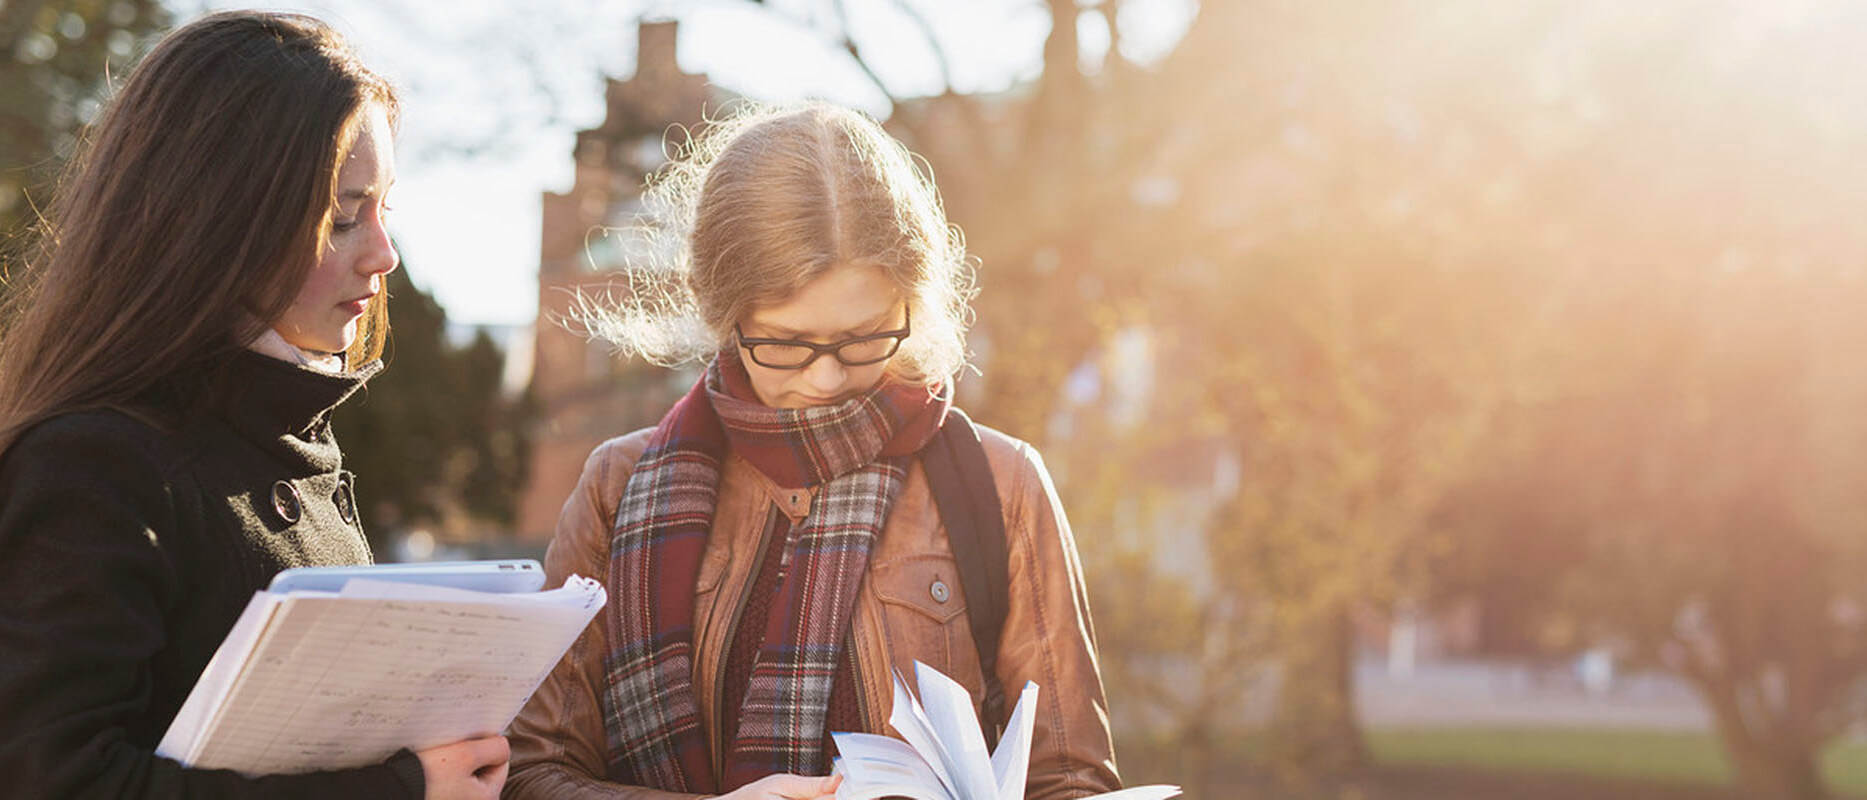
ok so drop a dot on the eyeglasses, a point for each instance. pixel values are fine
(798, 354)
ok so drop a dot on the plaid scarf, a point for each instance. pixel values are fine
(857, 451)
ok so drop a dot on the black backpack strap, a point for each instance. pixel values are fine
(967, 497)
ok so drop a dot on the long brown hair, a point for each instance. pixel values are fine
(190, 218)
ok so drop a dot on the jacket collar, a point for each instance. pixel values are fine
(283, 409)
(268, 398)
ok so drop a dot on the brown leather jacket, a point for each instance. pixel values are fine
(909, 607)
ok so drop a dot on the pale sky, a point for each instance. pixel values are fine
(494, 92)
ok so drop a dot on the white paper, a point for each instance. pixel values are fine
(343, 681)
(577, 592)
(942, 752)
(956, 726)
(878, 766)
(1011, 762)
(179, 740)
(911, 722)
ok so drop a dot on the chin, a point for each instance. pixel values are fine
(330, 346)
(344, 339)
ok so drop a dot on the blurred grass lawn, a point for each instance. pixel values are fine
(1544, 757)
(1653, 755)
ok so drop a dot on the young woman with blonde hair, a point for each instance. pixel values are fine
(773, 548)
(207, 288)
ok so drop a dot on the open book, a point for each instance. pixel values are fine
(314, 680)
(941, 754)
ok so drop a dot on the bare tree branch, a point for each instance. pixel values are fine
(848, 44)
(1111, 12)
(933, 41)
(1060, 92)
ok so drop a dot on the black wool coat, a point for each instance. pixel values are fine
(130, 541)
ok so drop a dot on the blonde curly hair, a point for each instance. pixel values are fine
(762, 202)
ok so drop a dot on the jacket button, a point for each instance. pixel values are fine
(285, 501)
(940, 592)
(346, 502)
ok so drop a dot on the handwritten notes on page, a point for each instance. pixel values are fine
(331, 681)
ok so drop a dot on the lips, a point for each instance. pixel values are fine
(357, 305)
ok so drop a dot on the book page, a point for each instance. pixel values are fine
(340, 682)
(910, 721)
(943, 756)
(949, 712)
(877, 766)
(184, 732)
(1152, 792)
(1011, 762)
(577, 592)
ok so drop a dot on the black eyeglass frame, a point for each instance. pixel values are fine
(834, 349)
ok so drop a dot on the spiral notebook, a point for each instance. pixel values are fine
(311, 680)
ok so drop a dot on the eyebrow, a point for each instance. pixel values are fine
(362, 192)
(781, 332)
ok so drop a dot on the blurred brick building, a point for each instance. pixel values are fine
(584, 394)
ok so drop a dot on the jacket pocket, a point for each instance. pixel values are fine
(924, 614)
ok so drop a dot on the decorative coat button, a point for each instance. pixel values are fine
(940, 592)
(285, 501)
(346, 501)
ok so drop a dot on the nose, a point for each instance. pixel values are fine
(381, 257)
(826, 376)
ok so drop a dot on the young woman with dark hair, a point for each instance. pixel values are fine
(206, 289)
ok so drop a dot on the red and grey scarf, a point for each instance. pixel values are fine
(857, 452)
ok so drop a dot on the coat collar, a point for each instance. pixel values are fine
(281, 408)
(268, 398)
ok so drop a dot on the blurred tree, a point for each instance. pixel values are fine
(1454, 284)
(56, 61)
(1181, 661)
(1724, 541)
(1701, 452)
(1334, 312)
(495, 467)
(432, 440)
(1359, 404)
